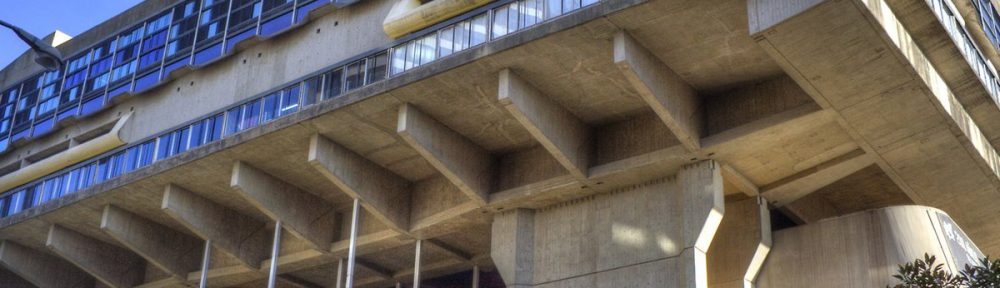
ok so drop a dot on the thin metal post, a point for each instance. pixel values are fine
(272, 275)
(416, 265)
(205, 262)
(399, 285)
(340, 273)
(475, 276)
(352, 249)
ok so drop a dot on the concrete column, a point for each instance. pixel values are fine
(741, 244)
(513, 246)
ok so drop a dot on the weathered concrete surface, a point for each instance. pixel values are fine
(893, 102)
(612, 239)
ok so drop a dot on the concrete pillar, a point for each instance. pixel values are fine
(650, 235)
(741, 244)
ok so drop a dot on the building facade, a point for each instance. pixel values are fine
(507, 143)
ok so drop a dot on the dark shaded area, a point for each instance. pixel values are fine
(487, 279)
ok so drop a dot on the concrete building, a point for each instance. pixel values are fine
(513, 143)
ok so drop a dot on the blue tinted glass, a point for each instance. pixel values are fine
(164, 150)
(197, 134)
(150, 58)
(289, 101)
(251, 112)
(87, 175)
(180, 141)
(233, 117)
(71, 181)
(276, 25)
(215, 126)
(270, 107)
(211, 53)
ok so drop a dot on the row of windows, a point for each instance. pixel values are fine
(189, 33)
(972, 54)
(290, 99)
(493, 24)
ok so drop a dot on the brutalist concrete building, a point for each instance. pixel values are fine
(507, 143)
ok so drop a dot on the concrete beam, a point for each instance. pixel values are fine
(238, 235)
(172, 251)
(305, 215)
(11, 280)
(738, 180)
(464, 163)
(448, 249)
(41, 269)
(383, 193)
(677, 104)
(112, 265)
(379, 271)
(804, 182)
(559, 131)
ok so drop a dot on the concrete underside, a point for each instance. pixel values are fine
(809, 154)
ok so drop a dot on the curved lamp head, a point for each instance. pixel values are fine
(50, 60)
(45, 54)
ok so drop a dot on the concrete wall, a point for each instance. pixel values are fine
(649, 235)
(335, 37)
(861, 249)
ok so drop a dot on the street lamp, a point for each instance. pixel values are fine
(45, 54)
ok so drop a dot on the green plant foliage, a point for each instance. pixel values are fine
(925, 273)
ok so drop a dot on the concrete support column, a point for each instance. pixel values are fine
(650, 235)
(741, 244)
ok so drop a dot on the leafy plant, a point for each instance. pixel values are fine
(926, 273)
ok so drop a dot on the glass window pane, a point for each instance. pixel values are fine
(311, 90)
(334, 84)
(289, 101)
(233, 117)
(251, 114)
(270, 107)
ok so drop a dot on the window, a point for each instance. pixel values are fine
(334, 84)
(214, 128)
(213, 16)
(233, 117)
(181, 34)
(312, 89)
(354, 75)
(377, 68)
(289, 101)
(270, 107)
(251, 112)
(244, 15)
(7, 101)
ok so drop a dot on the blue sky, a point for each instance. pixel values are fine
(41, 17)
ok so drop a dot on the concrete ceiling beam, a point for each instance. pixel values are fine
(461, 161)
(382, 193)
(798, 185)
(40, 268)
(305, 215)
(673, 100)
(112, 265)
(172, 251)
(559, 131)
(235, 234)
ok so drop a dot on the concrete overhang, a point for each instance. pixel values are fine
(854, 57)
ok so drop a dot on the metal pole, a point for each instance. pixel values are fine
(399, 285)
(475, 276)
(340, 273)
(205, 262)
(272, 275)
(416, 265)
(352, 249)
